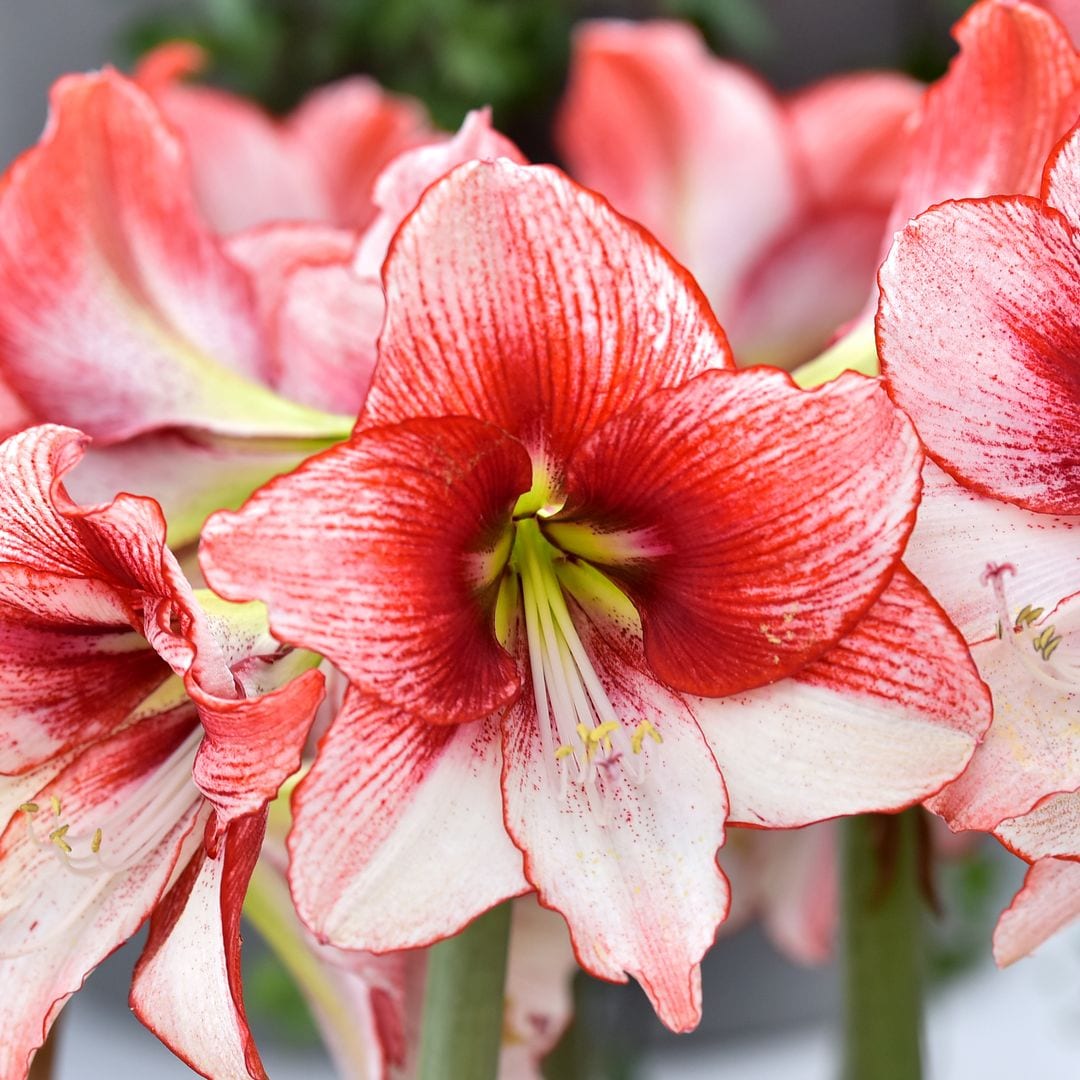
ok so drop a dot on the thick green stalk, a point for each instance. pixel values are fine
(883, 947)
(463, 1001)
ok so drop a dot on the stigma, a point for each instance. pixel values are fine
(585, 742)
(1037, 643)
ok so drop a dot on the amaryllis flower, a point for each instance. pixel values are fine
(979, 333)
(317, 164)
(201, 367)
(778, 206)
(142, 738)
(593, 591)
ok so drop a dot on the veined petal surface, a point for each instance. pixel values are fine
(1049, 900)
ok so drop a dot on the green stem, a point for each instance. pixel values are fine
(882, 920)
(463, 1001)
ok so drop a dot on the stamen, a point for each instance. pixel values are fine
(1044, 640)
(640, 732)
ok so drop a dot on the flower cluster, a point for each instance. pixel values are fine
(460, 438)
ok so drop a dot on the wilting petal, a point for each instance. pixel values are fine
(538, 1000)
(696, 149)
(322, 319)
(553, 314)
(852, 134)
(382, 554)
(959, 534)
(1031, 750)
(1049, 900)
(186, 986)
(404, 180)
(979, 348)
(879, 722)
(632, 869)
(987, 126)
(752, 523)
(1052, 829)
(406, 845)
(245, 169)
(121, 313)
(350, 130)
(57, 925)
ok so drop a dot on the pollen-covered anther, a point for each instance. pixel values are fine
(641, 732)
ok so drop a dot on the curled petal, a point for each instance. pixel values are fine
(1049, 900)
(879, 722)
(552, 313)
(406, 845)
(752, 523)
(382, 554)
(979, 349)
(1061, 180)
(186, 987)
(1050, 830)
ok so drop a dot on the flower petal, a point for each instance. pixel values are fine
(381, 554)
(398, 837)
(979, 349)
(1049, 900)
(633, 871)
(880, 722)
(553, 313)
(1031, 750)
(1052, 829)
(987, 126)
(759, 521)
(186, 987)
(122, 314)
(1061, 180)
(696, 149)
(958, 534)
(57, 925)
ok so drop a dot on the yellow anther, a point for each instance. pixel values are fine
(55, 803)
(29, 808)
(1028, 615)
(1046, 643)
(601, 734)
(95, 843)
(640, 732)
(583, 735)
(564, 751)
(57, 837)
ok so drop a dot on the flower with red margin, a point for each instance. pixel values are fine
(589, 586)
(143, 735)
(777, 205)
(979, 336)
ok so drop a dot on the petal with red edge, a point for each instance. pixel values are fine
(350, 130)
(1049, 900)
(959, 534)
(852, 133)
(552, 313)
(1061, 181)
(696, 149)
(979, 349)
(632, 869)
(881, 721)
(987, 126)
(382, 554)
(1031, 750)
(121, 313)
(404, 180)
(244, 168)
(398, 838)
(1052, 829)
(751, 522)
(186, 987)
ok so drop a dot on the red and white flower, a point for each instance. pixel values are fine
(143, 735)
(594, 591)
(778, 206)
(979, 334)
